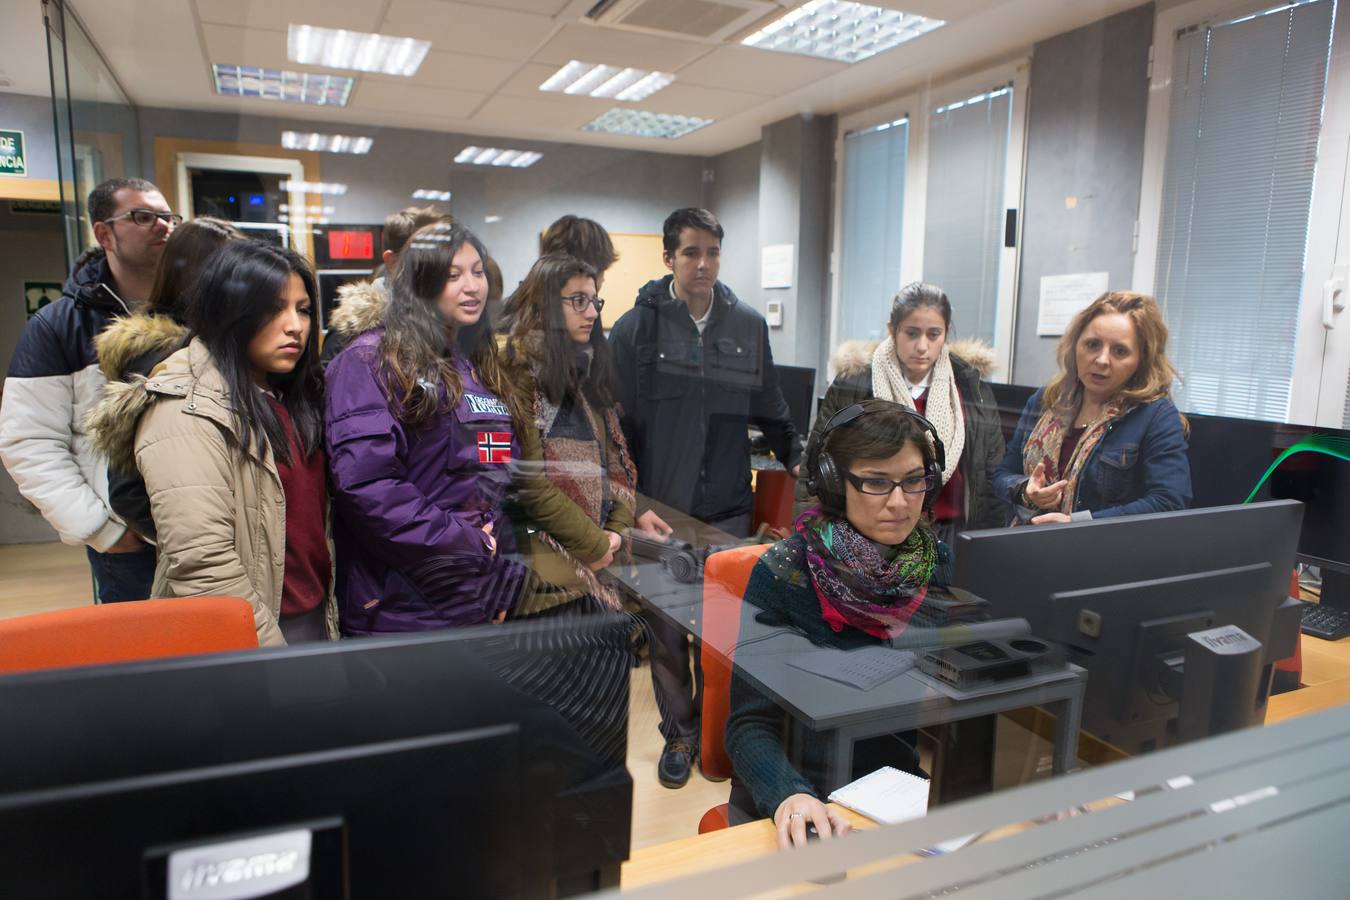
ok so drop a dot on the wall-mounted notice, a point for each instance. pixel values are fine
(775, 266)
(13, 162)
(1062, 296)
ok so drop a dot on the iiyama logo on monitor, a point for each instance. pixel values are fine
(233, 870)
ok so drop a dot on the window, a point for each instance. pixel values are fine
(964, 225)
(872, 226)
(1246, 109)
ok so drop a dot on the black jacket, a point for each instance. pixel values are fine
(687, 400)
(971, 361)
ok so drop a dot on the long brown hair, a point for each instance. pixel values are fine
(535, 311)
(1151, 381)
(417, 354)
(189, 248)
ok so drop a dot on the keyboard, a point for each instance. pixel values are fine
(1325, 622)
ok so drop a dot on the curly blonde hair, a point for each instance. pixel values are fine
(1152, 380)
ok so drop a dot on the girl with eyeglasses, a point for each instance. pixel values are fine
(855, 574)
(576, 480)
(227, 434)
(422, 428)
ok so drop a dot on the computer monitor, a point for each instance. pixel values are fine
(1122, 594)
(798, 384)
(392, 767)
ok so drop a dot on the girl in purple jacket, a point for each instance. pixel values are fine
(421, 430)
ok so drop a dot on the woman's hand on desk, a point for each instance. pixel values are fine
(654, 525)
(1042, 495)
(798, 811)
(1050, 518)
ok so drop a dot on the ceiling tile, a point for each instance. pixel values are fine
(759, 71)
(456, 71)
(568, 113)
(597, 44)
(414, 98)
(460, 28)
(704, 102)
(235, 46)
(541, 7)
(525, 83)
(279, 14)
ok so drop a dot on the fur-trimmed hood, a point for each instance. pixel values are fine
(852, 358)
(112, 423)
(130, 339)
(361, 307)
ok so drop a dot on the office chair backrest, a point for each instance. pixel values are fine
(118, 632)
(725, 576)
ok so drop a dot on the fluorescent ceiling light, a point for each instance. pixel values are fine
(608, 82)
(314, 187)
(329, 143)
(492, 220)
(274, 84)
(312, 210)
(430, 194)
(359, 50)
(840, 30)
(971, 101)
(641, 123)
(493, 156)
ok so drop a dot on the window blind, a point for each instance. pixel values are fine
(872, 220)
(1237, 187)
(964, 221)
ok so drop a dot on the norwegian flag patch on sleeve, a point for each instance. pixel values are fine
(494, 447)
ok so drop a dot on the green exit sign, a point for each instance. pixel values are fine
(12, 159)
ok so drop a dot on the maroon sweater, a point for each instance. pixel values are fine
(308, 563)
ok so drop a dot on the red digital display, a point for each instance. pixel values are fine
(351, 245)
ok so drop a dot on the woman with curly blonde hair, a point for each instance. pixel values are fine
(1103, 438)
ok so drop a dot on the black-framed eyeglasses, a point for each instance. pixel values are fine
(579, 302)
(147, 217)
(882, 487)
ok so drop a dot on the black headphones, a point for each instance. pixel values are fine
(823, 477)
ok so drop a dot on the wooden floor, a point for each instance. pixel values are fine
(41, 577)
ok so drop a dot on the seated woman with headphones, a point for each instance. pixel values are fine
(853, 575)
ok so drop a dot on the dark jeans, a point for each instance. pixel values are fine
(679, 696)
(122, 576)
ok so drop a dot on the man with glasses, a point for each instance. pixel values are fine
(54, 380)
(695, 370)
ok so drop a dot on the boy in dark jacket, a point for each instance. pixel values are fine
(694, 371)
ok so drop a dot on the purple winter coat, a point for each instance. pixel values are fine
(409, 504)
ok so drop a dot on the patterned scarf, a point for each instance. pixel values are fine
(571, 464)
(858, 586)
(944, 402)
(1048, 437)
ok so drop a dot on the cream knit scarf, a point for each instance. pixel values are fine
(944, 403)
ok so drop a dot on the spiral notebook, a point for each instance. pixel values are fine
(887, 795)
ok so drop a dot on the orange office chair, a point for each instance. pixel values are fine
(118, 632)
(725, 576)
(774, 495)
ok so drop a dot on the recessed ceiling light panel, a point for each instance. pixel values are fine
(314, 187)
(430, 194)
(641, 123)
(608, 82)
(338, 48)
(327, 143)
(493, 156)
(274, 84)
(840, 30)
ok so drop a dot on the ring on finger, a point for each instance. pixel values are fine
(796, 815)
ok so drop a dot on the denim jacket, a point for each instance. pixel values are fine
(1139, 466)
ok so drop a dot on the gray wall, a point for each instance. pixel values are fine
(34, 250)
(624, 190)
(32, 116)
(733, 196)
(1088, 100)
(796, 178)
